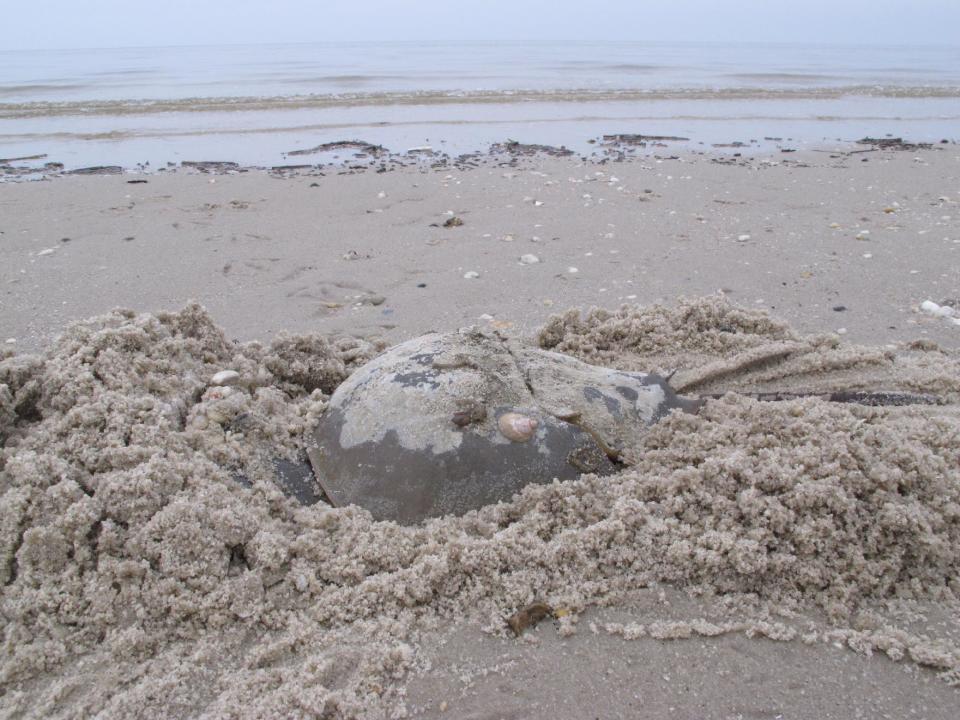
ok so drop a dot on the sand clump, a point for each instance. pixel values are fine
(152, 567)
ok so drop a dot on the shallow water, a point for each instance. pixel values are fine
(251, 103)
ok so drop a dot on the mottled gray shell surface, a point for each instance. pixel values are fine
(447, 423)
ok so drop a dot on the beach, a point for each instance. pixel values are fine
(200, 244)
(762, 559)
(829, 241)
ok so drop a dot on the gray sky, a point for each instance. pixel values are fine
(122, 23)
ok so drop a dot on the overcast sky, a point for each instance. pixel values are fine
(124, 23)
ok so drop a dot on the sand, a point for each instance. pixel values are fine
(761, 559)
(266, 253)
(152, 568)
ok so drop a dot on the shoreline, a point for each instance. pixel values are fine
(355, 154)
(271, 137)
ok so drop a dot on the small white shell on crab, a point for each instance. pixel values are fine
(517, 427)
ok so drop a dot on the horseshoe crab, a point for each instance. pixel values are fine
(447, 423)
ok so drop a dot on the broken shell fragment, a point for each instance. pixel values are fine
(517, 427)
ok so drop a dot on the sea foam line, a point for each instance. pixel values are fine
(300, 102)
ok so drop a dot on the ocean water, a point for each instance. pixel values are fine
(253, 103)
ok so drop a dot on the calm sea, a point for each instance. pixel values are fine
(252, 103)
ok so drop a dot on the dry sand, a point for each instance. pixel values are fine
(793, 559)
(265, 254)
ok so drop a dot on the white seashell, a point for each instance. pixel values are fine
(928, 306)
(225, 377)
(932, 308)
(517, 427)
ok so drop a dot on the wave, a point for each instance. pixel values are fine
(39, 88)
(782, 77)
(305, 102)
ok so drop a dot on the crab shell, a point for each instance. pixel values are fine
(396, 440)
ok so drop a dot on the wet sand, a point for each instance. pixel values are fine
(758, 560)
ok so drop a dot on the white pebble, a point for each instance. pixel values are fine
(529, 259)
(225, 377)
(48, 251)
(868, 255)
(743, 238)
(11, 341)
(301, 583)
(487, 317)
(932, 308)
(841, 331)
(572, 270)
(471, 275)
(381, 194)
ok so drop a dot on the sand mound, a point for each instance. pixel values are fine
(152, 567)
